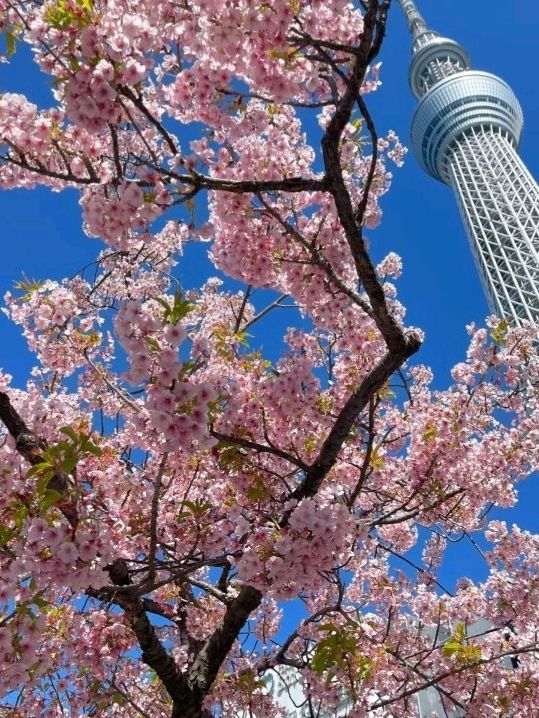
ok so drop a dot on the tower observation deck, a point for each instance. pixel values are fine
(465, 133)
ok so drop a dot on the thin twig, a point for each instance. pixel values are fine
(153, 519)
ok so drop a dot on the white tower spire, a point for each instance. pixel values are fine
(465, 132)
(416, 23)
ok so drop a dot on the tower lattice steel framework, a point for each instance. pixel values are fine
(465, 132)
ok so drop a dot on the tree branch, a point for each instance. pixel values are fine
(372, 383)
(153, 519)
(139, 104)
(374, 22)
(208, 662)
(261, 448)
(31, 448)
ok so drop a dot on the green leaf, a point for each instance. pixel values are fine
(69, 463)
(118, 698)
(430, 433)
(154, 678)
(50, 497)
(460, 632)
(152, 343)
(27, 286)
(39, 601)
(179, 309)
(39, 469)
(231, 458)
(6, 534)
(365, 667)
(329, 627)
(451, 647)
(500, 332)
(296, 6)
(198, 507)
(334, 650)
(70, 431)
(457, 641)
(321, 659)
(93, 449)
(166, 306)
(11, 42)
(256, 493)
(20, 514)
(242, 338)
(187, 369)
(81, 444)
(357, 124)
(67, 13)
(42, 482)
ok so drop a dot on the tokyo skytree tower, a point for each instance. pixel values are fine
(465, 132)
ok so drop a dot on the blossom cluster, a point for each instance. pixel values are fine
(114, 219)
(290, 560)
(178, 409)
(57, 323)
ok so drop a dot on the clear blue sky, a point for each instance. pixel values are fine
(42, 235)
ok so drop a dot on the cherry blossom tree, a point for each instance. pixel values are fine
(170, 495)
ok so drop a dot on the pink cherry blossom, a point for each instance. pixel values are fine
(193, 504)
(67, 552)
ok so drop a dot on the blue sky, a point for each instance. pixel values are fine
(42, 235)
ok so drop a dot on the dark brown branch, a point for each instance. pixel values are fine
(270, 100)
(414, 565)
(318, 258)
(196, 181)
(26, 442)
(139, 104)
(264, 312)
(139, 132)
(186, 703)
(239, 318)
(31, 448)
(368, 454)
(45, 172)
(288, 184)
(116, 152)
(247, 444)
(280, 656)
(209, 660)
(424, 676)
(211, 590)
(153, 519)
(302, 39)
(372, 383)
(362, 208)
(153, 653)
(374, 21)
